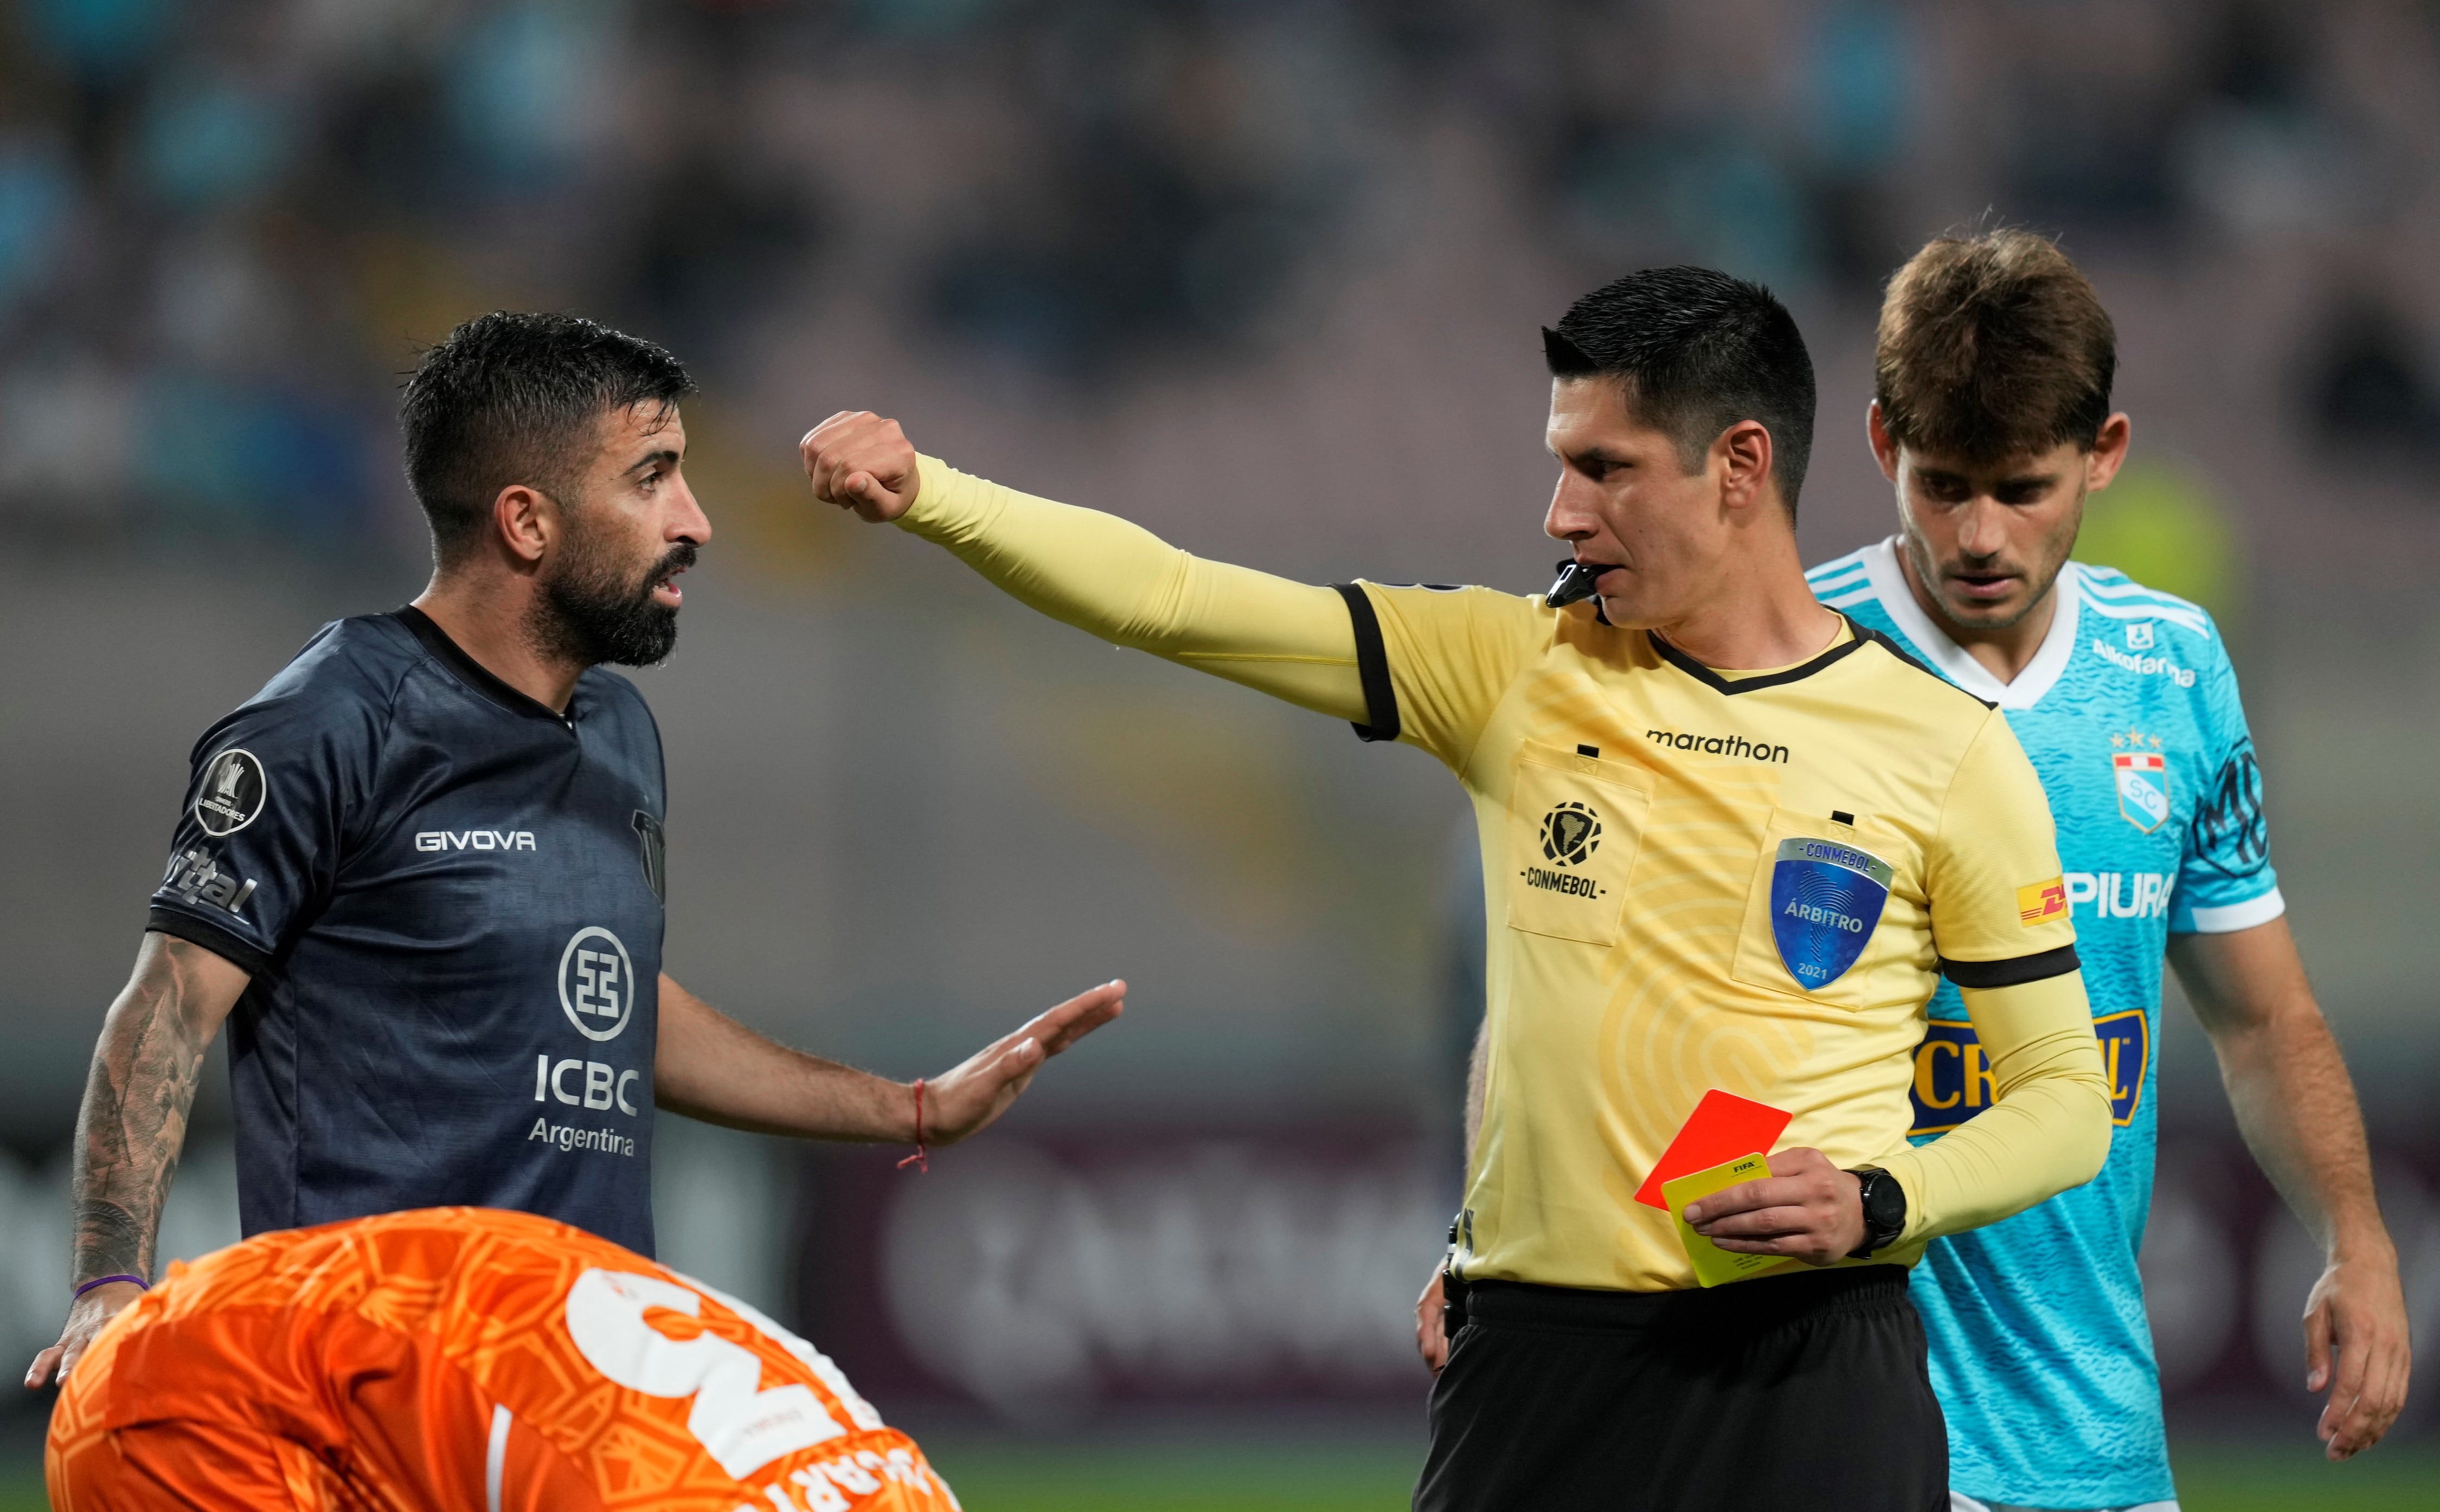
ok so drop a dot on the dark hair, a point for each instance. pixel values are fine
(1698, 352)
(1992, 346)
(509, 398)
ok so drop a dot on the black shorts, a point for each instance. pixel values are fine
(1805, 1391)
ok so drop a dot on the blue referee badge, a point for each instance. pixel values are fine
(1825, 897)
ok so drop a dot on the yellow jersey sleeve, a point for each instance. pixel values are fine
(1445, 657)
(2000, 922)
(2047, 1130)
(1124, 585)
(1998, 904)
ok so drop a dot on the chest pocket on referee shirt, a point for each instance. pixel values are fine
(1574, 824)
(1822, 897)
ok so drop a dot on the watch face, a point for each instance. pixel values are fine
(1884, 1202)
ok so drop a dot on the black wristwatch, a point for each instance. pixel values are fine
(1884, 1202)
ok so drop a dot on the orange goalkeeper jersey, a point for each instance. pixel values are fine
(464, 1358)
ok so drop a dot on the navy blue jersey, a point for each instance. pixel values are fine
(449, 898)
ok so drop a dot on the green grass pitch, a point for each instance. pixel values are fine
(1249, 1476)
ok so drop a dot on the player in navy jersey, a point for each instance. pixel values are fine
(1993, 419)
(420, 875)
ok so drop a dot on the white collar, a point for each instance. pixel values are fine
(1950, 659)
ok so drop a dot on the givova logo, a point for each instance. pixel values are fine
(474, 840)
(597, 983)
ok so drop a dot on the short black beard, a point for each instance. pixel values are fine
(588, 612)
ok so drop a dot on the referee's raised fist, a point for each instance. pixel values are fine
(860, 461)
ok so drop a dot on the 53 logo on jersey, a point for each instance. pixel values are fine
(597, 983)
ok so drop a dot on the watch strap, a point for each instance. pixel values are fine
(1879, 1232)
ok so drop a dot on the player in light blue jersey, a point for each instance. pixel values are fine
(1992, 418)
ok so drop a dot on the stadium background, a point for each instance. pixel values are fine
(1263, 275)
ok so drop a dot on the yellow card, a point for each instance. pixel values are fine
(1714, 1264)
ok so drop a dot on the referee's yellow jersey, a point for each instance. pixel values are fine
(1695, 880)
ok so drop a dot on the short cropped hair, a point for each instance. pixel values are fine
(1697, 352)
(1992, 346)
(509, 398)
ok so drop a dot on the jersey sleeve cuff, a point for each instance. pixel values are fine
(2234, 917)
(935, 513)
(1371, 666)
(2014, 972)
(229, 946)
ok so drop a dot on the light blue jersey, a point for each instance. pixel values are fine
(2040, 1352)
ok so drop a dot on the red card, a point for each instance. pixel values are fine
(1723, 1127)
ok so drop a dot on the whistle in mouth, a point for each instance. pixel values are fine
(1575, 584)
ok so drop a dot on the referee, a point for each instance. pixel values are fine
(1730, 841)
(420, 874)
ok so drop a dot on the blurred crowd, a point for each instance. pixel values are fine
(226, 227)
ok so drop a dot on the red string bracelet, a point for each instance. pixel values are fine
(917, 1159)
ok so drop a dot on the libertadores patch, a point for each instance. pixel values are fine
(233, 791)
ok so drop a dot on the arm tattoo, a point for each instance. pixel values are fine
(134, 1120)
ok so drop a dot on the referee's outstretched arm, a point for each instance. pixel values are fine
(2048, 1128)
(1105, 575)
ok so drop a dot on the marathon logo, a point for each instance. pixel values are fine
(1559, 881)
(1953, 1082)
(1730, 745)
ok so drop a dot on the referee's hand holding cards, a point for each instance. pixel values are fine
(1806, 1208)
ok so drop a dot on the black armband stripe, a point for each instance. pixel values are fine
(1371, 666)
(2015, 971)
(227, 944)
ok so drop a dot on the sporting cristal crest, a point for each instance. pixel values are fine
(2143, 779)
(1825, 898)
